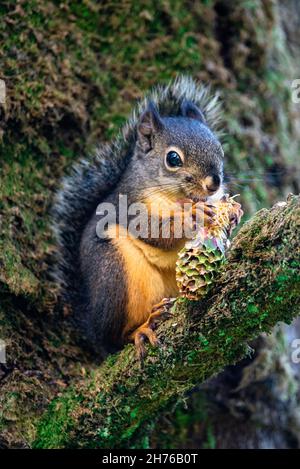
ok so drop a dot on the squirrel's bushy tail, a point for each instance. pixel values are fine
(91, 179)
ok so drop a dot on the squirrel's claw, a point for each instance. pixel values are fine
(145, 331)
(235, 217)
(205, 213)
(161, 308)
(139, 336)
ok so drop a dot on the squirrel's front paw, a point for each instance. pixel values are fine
(235, 217)
(145, 331)
(202, 214)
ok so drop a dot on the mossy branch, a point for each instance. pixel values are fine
(258, 288)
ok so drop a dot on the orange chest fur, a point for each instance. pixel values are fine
(150, 276)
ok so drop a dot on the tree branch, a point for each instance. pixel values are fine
(258, 287)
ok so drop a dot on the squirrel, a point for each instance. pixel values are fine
(118, 287)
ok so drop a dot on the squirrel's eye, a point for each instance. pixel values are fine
(173, 159)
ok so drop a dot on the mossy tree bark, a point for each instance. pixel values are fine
(81, 88)
(259, 287)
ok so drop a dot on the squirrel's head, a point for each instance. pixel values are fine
(180, 155)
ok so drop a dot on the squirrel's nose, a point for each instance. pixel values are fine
(212, 183)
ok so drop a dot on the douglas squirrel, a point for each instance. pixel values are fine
(168, 152)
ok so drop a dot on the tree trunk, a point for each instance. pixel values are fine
(259, 287)
(70, 85)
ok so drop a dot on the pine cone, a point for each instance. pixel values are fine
(201, 258)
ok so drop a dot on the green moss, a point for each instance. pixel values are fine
(61, 421)
(79, 91)
(188, 417)
(246, 307)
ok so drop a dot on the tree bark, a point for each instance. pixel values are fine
(81, 86)
(259, 286)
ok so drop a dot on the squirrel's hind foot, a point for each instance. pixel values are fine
(146, 331)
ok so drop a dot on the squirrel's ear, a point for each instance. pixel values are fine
(189, 109)
(149, 124)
